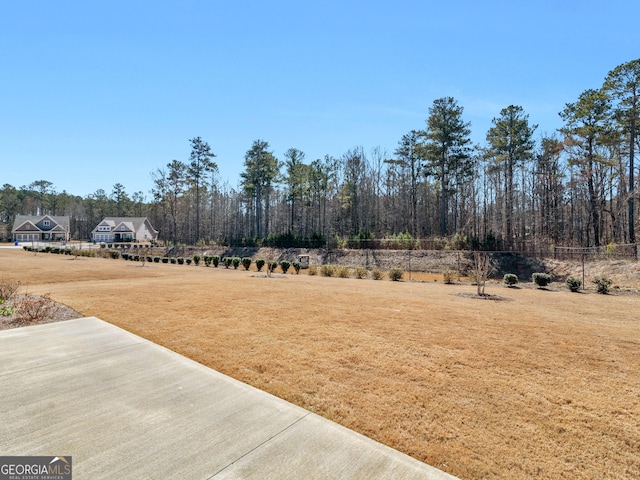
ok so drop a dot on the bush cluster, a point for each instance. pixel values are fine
(510, 279)
(603, 285)
(284, 265)
(344, 272)
(396, 274)
(32, 308)
(574, 284)
(541, 279)
(361, 272)
(448, 276)
(377, 274)
(327, 270)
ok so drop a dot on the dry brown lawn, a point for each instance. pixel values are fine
(545, 384)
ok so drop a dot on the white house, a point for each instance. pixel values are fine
(124, 229)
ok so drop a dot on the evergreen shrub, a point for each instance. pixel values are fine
(574, 284)
(603, 285)
(541, 279)
(284, 265)
(396, 274)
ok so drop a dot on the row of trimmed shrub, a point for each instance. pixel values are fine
(62, 251)
(213, 260)
(394, 274)
(603, 285)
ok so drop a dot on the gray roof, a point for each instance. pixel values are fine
(38, 222)
(133, 222)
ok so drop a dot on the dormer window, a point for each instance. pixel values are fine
(46, 223)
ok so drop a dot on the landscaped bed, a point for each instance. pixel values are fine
(541, 385)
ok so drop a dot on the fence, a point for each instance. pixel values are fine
(610, 251)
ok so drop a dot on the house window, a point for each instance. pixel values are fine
(46, 223)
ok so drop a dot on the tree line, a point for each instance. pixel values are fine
(519, 190)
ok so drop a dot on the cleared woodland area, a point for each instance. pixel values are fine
(541, 384)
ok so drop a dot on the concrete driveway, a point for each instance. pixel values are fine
(126, 408)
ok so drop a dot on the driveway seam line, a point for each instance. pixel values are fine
(259, 445)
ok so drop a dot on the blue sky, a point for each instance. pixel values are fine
(99, 93)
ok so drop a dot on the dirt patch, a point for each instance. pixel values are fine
(544, 385)
(486, 296)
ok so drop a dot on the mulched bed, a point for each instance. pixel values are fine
(486, 296)
(57, 313)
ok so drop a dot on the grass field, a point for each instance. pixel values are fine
(544, 384)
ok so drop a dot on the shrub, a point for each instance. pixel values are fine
(510, 279)
(344, 272)
(361, 272)
(327, 270)
(227, 262)
(149, 258)
(196, 259)
(180, 261)
(174, 260)
(296, 266)
(603, 284)
(8, 289)
(246, 262)
(313, 269)
(235, 261)
(207, 260)
(574, 284)
(156, 259)
(188, 260)
(31, 308)
(272, 265)
(215, 259)
(448, 276)
(6, 310)
(260, 263)
(541, 279)
(377, 274)
(165, 259)
(284, 265)
(125, 256)
(396, 274)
